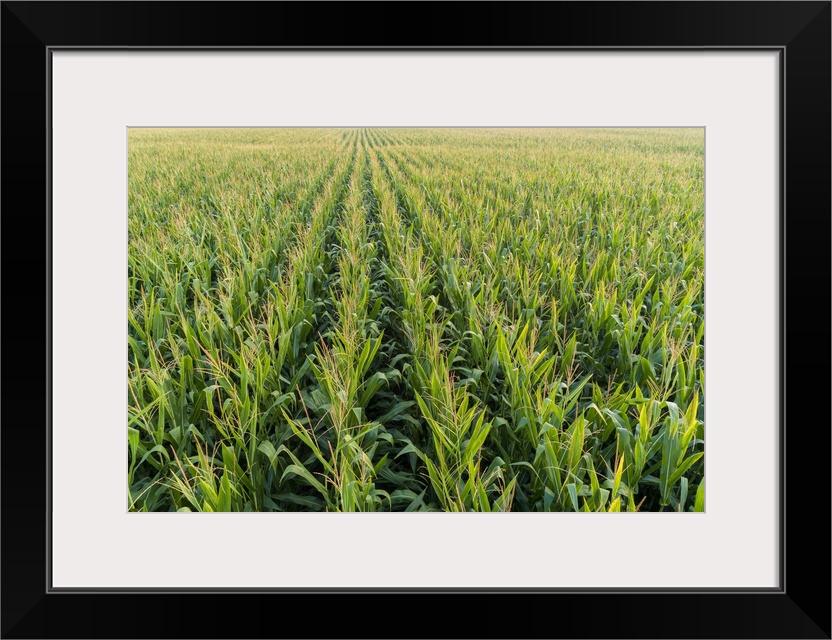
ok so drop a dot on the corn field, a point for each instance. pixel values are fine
(415, 320)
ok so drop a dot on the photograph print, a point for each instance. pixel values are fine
(434, 319)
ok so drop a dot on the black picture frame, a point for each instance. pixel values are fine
(799, 608)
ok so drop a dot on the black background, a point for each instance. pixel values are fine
(801, 609)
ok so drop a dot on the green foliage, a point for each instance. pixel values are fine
(416, 320)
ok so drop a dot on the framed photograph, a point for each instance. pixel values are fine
(469, 306)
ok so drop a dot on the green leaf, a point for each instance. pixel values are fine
(699, 502)
(297, 470)
(573, 495)
(680, 471)
(267, 448)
